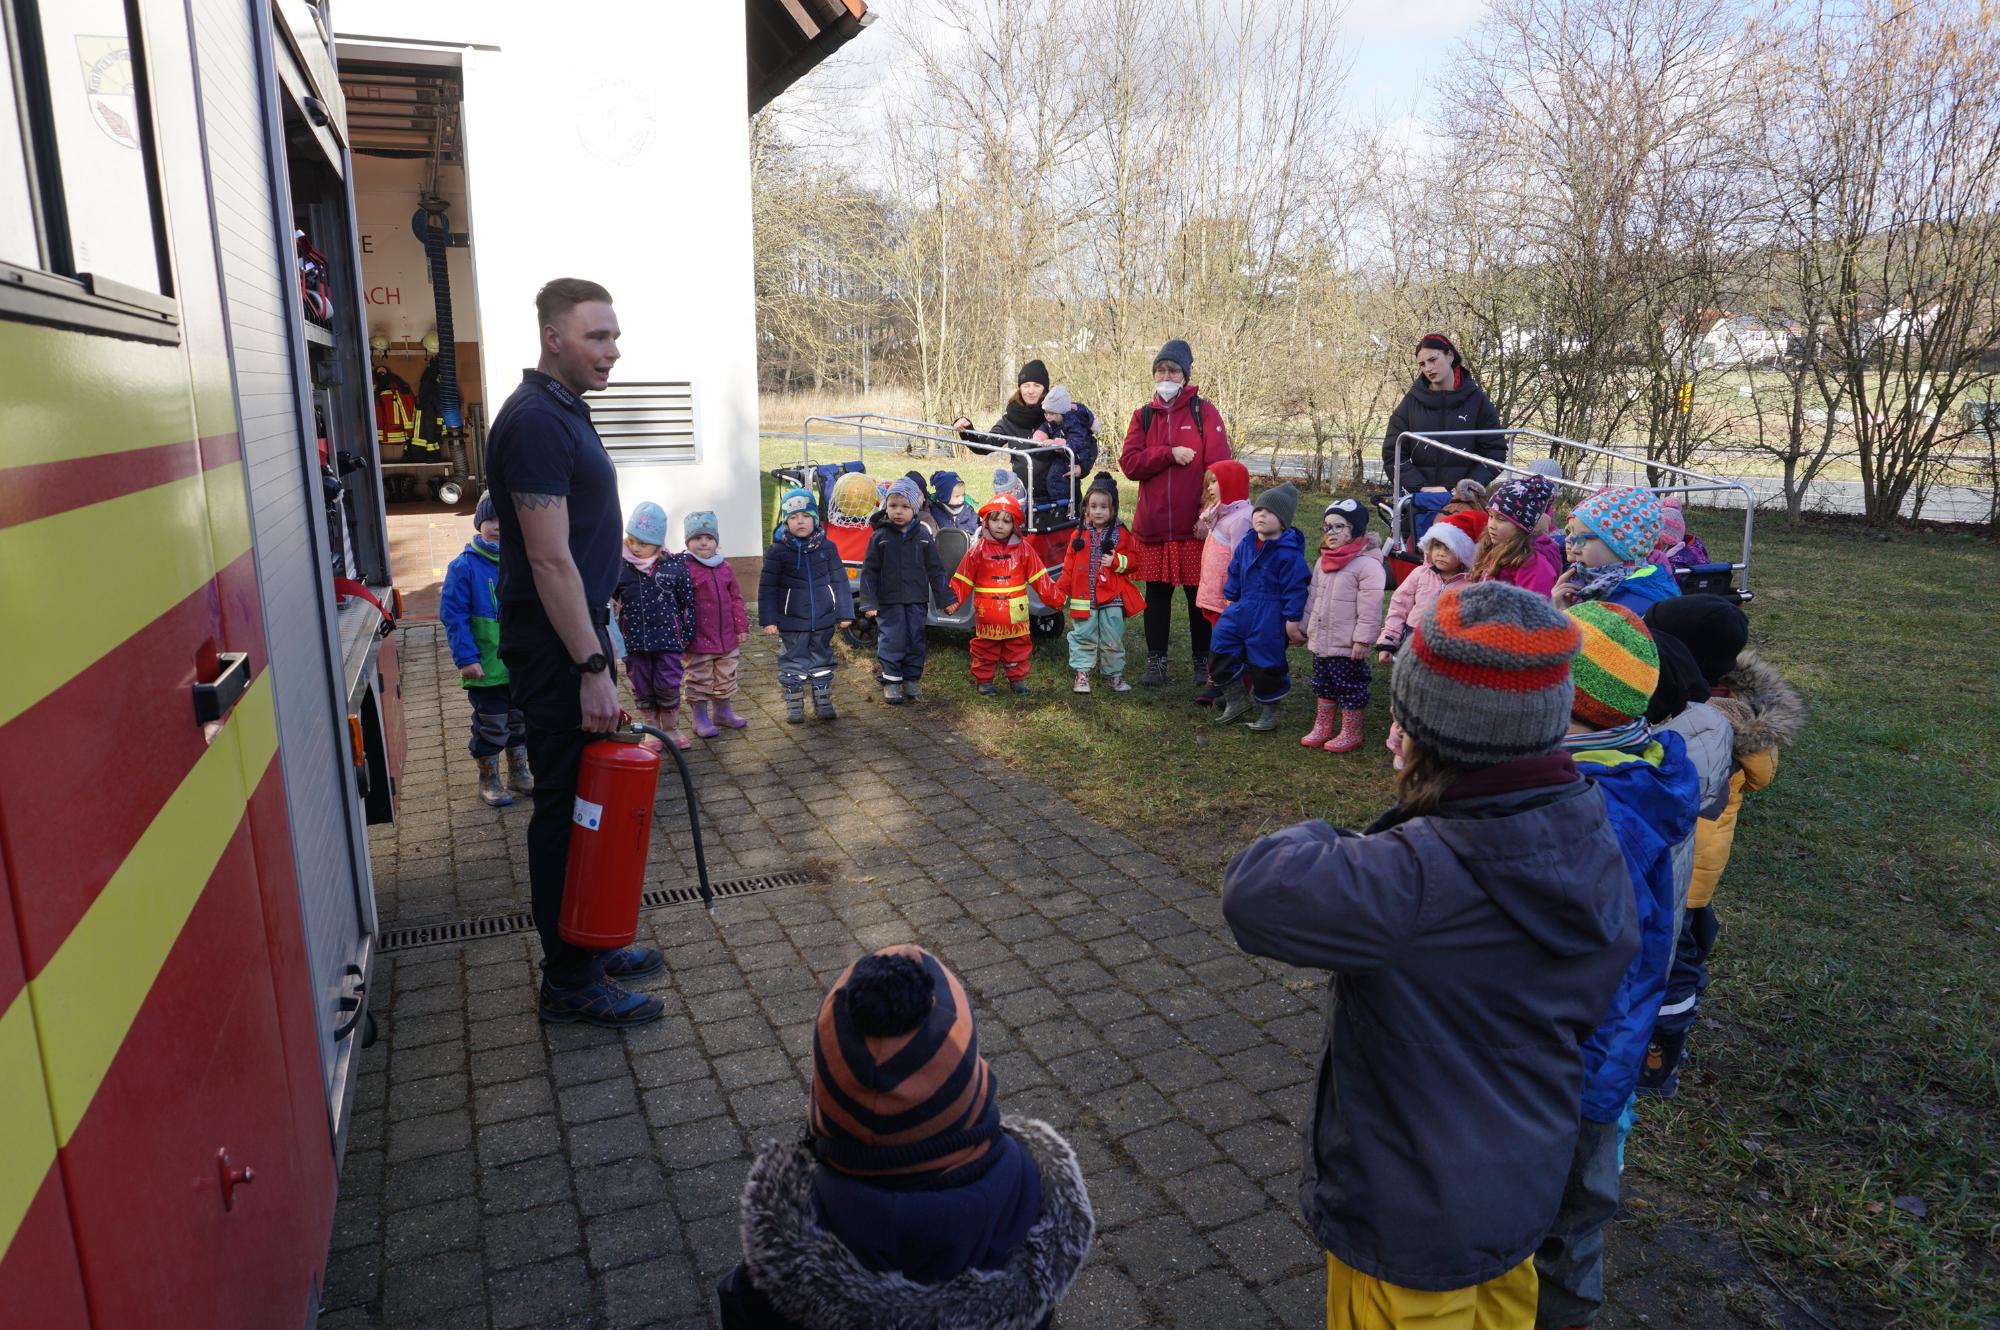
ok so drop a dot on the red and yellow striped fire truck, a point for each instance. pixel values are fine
(195, 722)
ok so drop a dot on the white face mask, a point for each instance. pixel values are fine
(1166, 388)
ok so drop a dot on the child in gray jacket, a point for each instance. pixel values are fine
(1476, 932)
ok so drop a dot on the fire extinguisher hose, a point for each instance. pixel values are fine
(668, 745)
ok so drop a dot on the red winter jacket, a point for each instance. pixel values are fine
(1170, 494)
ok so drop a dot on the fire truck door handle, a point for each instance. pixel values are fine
(231, 1177)
(213, 700)
(349, 1004)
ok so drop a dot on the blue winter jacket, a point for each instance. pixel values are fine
(1644, 587)
(1267, 586)
(804, 585)
(1079, 431)
(656, 609)
(1652, 794)
(469, 608)
(931, 1234)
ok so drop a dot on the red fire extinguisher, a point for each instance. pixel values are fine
(611, 831)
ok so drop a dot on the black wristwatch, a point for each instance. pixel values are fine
(597, 664)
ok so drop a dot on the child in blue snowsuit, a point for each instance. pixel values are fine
(1267, 587)
(801, 598)
(469, 608)
(1652, 793)
(901, 576)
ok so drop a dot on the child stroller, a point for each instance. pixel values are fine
(850, 498)
(1409, 514)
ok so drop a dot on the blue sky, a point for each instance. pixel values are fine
(1394, 61)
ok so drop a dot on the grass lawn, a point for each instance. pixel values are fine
(1840, 1110)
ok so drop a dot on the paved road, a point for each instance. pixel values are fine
(505, 1174)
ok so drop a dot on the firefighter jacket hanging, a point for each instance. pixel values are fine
(395, 411)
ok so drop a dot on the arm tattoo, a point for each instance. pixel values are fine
(527, 501)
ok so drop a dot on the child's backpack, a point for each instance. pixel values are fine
(315, 286)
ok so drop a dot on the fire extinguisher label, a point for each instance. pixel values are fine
(587, 815)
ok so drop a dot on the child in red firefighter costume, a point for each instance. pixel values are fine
(997, 572)
(1097, 590)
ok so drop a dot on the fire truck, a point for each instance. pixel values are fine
(199, 706)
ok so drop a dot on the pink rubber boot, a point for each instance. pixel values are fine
(1349, 737)
(1322, 729)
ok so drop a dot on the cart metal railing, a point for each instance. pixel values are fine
(1691, 482)
(865, 423)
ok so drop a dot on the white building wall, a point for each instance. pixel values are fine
(611, 141)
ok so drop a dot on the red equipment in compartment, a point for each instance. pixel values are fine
(610, 833)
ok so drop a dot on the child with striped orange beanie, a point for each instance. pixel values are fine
(911, 1201)
(1487, 910)
(1652, 793)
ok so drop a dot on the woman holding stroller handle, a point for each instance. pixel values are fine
(1049, 475)
(1168, 448)
(1444, 397)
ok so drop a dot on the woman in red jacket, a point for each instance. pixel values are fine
(1168, 448)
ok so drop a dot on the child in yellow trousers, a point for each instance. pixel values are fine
(1355, 1301)
(1475, 934)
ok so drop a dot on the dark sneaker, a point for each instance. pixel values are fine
(1156, 672)
(988, 688)
(1019, 685)
(911, 692)
(602, 1002)
(634, 962)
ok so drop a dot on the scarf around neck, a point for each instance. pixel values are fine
(643, 565)
(1598, 583)
(1334, 560)
(715, 560)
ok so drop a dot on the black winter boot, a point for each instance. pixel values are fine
(795, 704)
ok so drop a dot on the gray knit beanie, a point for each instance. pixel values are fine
(1282, 500)
(1483, 676)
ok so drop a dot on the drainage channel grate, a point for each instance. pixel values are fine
(500, 925)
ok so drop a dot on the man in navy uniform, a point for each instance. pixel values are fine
(556, 495)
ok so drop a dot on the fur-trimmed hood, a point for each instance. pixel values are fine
(813, 1280)
(1763, 710)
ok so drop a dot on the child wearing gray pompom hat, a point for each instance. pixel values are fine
(721, 622)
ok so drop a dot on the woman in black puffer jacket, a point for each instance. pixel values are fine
(1445, 397)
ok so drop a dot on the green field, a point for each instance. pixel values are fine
(1847, 1056)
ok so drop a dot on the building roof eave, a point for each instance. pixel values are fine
(786, 39)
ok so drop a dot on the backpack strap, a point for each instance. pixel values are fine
(1146, 416)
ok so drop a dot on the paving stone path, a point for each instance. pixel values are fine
(501, 1173)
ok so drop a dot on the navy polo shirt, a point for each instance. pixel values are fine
(542, 442)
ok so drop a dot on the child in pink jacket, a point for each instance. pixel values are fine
(1508, 550)
(1224, 520)
(1343, 617)
(720, 623)
(1448, 548)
